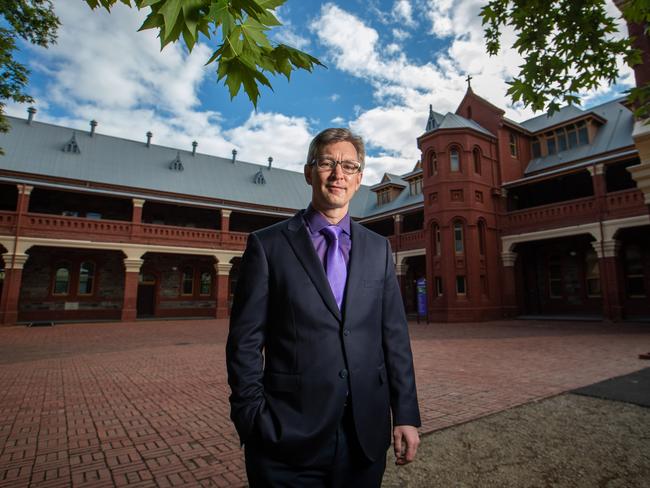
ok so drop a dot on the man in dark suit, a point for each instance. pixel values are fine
(318, 352)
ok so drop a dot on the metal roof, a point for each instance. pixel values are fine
(455, 121)
(614, 134)
(38, 149)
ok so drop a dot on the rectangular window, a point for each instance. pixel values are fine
(537, 152)
(459, 247)
(383, 196)
(86, 278)
(461, 285)
(634, 272)
(438, 240)
(572, 136)
(551, 148)
(438, 286)
(188, 281)
(592, 274)
(454, 160)
(513, 145)
(206, 283)
(560, 135)
(583, 134)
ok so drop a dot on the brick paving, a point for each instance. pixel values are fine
(145, 404)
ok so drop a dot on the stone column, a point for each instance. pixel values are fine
(136, 215)
(225, 220)
(611, 283)
(22, 205)
(222, 309)
(397, 230)
(509, 283)
(131, 274)
(11, 287)
(400, 271)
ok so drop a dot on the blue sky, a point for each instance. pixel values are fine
(387, 60)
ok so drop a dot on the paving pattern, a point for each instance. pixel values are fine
(145, 404)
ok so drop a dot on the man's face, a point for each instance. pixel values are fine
(333, 189)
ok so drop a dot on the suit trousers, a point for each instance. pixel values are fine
(340, 464)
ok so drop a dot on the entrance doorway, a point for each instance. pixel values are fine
(146, 303)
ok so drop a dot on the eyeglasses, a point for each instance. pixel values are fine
(326, 164)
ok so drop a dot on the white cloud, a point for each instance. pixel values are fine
(334, 97)
(403, 12)
(400, 34)
(286, 35)
(130, 87)
(284, 138)
(339, 121)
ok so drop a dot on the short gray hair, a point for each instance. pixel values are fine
(335, 134)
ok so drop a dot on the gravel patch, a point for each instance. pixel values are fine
(564, 441)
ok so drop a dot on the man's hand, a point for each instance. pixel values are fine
(405, 442)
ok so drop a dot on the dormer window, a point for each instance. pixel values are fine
(561, 139)
(71, 146)
(177, 164)
(415, 186)
(383, 196)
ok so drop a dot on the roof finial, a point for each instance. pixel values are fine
(194, 144)
(234, 156)
(270, 161)
(469, 81)
(149, 136)
(431, 122)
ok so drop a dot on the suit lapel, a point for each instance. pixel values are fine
(357, 254)
(300, 242)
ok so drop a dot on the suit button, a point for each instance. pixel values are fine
(343, 373)
(346, 332)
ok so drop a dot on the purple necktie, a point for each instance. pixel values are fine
(335, 263)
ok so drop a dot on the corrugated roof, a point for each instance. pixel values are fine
(542, 121)
(615, 134)
(454, 121)
(37, 149)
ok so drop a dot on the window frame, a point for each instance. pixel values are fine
(183, 281)
(92, 278)
(61, 265)
(454, 150)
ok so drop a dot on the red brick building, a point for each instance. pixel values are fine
(503, 219)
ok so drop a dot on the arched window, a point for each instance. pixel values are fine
(61, 280)
(187, 287)
(206, 283)
(433, 164)
(86, 278)
(435, 230)
(476, 154)
(459, 245)
(454, 159)
(481, 237)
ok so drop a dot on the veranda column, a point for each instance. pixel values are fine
(222, 310)
(397, 230)
(131, 274)
(136, 215)
(400, 271)
(11, 287)
(225, 220)
(610, 278)
(509, 283)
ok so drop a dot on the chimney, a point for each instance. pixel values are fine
(270, 162)
(234, 156)
(149, 136)
(30, 115)
(194, 144)
(93, 124)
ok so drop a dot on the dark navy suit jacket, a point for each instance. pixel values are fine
(293, 357)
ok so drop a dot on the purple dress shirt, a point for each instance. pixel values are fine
(315, 222)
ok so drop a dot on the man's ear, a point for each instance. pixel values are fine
(308, 169)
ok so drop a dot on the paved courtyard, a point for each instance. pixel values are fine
(146, 403)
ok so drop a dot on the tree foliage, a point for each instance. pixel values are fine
(244, 54)
(568, 46)
(35, 22)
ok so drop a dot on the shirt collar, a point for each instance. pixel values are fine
(316, 221)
